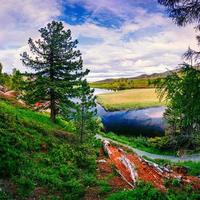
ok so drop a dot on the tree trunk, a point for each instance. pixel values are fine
(82, 125)
(53, 106)
(52, 92)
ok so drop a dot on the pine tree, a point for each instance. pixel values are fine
(183, 11)
(186, 12)
(17, 80)
(1, 68)
(85, 110)
(57, 68)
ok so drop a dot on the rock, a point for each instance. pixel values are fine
(11, 93)
(102, 161)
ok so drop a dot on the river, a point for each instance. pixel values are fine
(146, 122)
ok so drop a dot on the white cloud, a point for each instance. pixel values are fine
(113, 56)
(20, 20)
(146, 54)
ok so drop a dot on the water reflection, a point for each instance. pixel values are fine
(147, 122)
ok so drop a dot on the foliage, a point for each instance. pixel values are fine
(140, 142)
(123, 83)
(145, 191)
(13, 81)
(182, 114)
(159, 142)
(183, 12)
(84, 112)
(38, 154)
(142, 191)
(17, 82)
(192, 166)
(57, 68)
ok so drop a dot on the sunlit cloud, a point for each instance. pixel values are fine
(117, 38)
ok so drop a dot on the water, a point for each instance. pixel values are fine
(146, 122)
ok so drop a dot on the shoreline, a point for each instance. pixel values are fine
(131, 99)
(128, 108)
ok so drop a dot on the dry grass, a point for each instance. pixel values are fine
(127, 99)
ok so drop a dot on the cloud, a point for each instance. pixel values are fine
(144, 41)
(149, 53)
(21, 20)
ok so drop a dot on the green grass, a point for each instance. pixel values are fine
(37, 154)
(121, 84)
(140, 142)
(145, 191)
(193, 167)
(129, 99)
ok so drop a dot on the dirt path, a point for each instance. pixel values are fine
(151, 155)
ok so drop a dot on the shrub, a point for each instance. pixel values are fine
(142, 191)
(158, 142)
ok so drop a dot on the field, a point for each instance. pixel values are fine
(129, 99)
(121, 84)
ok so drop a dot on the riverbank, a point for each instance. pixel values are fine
(129, 99)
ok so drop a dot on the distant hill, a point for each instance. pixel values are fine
(141, 81)
(142, 76)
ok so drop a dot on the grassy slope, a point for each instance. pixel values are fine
(193, 167)
(40, 159)
(141, 143)
(127, 99)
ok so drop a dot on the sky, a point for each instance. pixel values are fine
(117, 38)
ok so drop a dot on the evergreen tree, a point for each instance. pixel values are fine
(85, 110)
(17, 82)
(1, 68)
(182, 92)
(1, 75)
(183, 11)
(57, 67)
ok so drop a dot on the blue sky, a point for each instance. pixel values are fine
(118, 38)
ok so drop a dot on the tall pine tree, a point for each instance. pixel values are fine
(57, 67)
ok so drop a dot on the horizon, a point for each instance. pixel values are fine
(117, 39)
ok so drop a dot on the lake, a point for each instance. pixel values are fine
(146, 122)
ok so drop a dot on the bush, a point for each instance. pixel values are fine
(159, 142)
(145, 191)
(141, 192)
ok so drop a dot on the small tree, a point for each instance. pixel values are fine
(1, 68)
(57, 68)
(17, 80)
(85, 111)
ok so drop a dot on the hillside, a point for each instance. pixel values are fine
(41, 160)
(141, 81)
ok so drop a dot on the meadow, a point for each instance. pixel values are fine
(129, 99)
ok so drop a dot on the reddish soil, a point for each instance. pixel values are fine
(104, 170)
(114, 156)
(147, 172)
